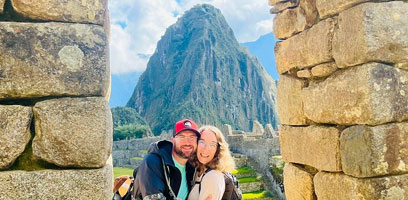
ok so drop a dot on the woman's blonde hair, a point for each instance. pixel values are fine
(222, 160)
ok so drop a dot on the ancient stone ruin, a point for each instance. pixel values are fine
(342, 98)
(55, 121)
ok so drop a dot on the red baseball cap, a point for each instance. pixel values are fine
(186, 125)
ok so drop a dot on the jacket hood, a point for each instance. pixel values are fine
(163, 148)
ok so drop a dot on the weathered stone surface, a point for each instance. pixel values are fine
(378, 31)
(257, 127)
(337, 186)
(281, 6)
(370, 94)
(374, 151)
(57, 184)
(332, 7)
(90, 11)
(273, 2)
(304, 73)
(2, 6)
(292, 21)
(298, 183)
(316, 146)
(324, 70)
(52, 59)
(403, 65)
(306, 49)
(73, 132)
(14, 132)
(289, 99)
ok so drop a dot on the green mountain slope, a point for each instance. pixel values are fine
(200, 71)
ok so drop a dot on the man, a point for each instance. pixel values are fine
(150, 181)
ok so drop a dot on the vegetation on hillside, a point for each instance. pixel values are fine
(128, 124)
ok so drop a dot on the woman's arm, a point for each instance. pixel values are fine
(213, 184)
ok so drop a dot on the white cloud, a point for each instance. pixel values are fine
(137, 26)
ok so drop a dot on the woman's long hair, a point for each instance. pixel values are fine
(222, 160)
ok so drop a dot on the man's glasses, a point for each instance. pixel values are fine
(212, 145)
(186, 138)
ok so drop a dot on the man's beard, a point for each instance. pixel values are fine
(180, 153)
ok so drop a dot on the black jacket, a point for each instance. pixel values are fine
(150, 175)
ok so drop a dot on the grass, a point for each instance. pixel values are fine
(143, 151)
(119, 171)
(249, 179)
(137, 158)
(256, 195)
(243, 170)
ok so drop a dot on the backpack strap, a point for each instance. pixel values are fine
(168, 180)
(199, 186)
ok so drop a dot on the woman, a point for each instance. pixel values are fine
(213, 157)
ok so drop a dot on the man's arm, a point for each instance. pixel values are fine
(150, 177)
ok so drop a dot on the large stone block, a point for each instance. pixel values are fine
(57, 184)
(298, 183)
(306, 49)
(374, 151)
(333, 7)
(52, 59)
(73, 132)
(15, 133)
(290, 105)
(90, 11)
(370, 94)
(292, 21)
(378, 33)
(316, 146)
(335, 186)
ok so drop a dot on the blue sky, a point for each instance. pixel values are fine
(137, 26)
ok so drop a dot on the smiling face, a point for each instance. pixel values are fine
(185, 144)
(207, 146)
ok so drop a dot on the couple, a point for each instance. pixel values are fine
(189, 155)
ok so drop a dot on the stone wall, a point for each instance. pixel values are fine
(128, 153)
(55, 121)
(342, 98)
(260, 146)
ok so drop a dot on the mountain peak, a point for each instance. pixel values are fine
(200, 71)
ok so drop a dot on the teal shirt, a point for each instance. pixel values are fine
(183, 191)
